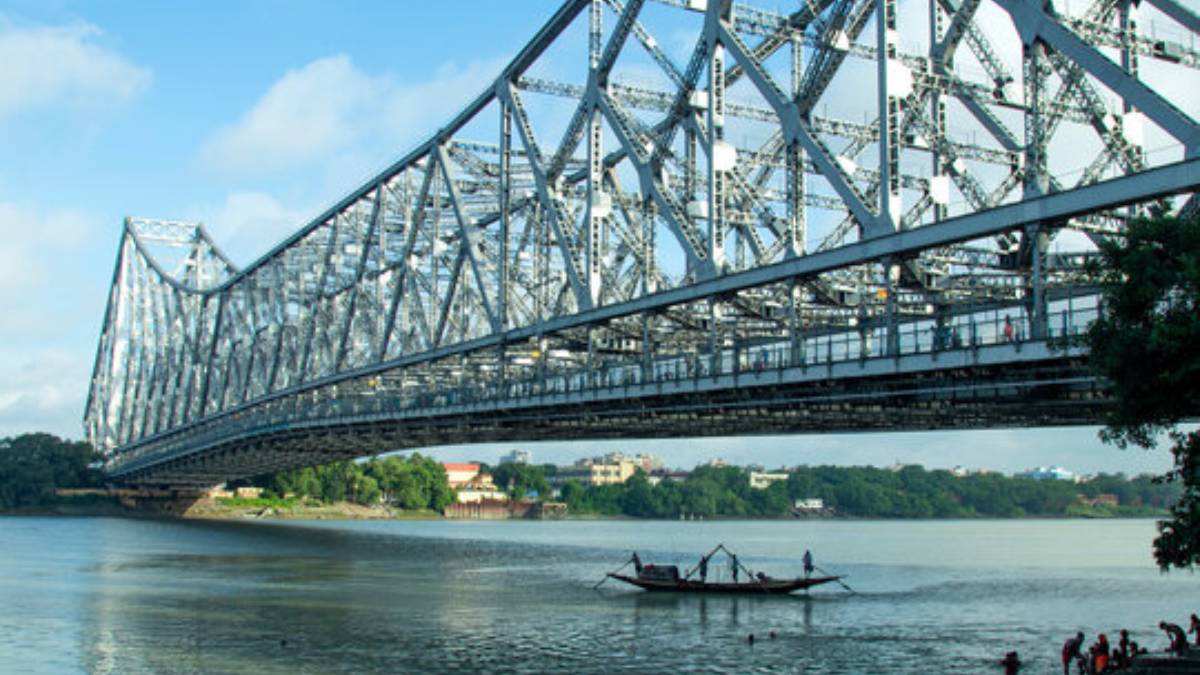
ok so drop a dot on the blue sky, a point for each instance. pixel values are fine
(252, 117)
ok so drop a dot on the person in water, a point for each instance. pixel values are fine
(808, 563)
(1178, 637)
(1070, 653)
(1011, 663)
(1099, 654)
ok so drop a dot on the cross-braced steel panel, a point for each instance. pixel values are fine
(668, 192)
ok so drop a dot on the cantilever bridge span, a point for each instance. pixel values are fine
(861, 214)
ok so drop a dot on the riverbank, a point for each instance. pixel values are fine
(208, 508)
(225, 508)
(235, 508)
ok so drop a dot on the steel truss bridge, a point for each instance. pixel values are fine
(862, 214)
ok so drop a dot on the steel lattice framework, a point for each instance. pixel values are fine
(818, 220)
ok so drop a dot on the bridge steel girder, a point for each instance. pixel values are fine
(964, 389)
(480, 285)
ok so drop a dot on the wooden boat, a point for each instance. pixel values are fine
(767, 585)
(666, 578)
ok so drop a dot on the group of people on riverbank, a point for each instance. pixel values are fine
(1101, 657)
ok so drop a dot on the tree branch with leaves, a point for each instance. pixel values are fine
(1146, 346)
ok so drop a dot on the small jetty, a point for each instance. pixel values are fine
(1162, 663)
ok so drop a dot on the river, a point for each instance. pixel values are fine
(105, 595)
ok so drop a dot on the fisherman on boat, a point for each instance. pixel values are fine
(656, 577)
(808, 563)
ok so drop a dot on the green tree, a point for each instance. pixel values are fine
(368, 491)
(772, 501)
(1145, 347)
(575, 496)
(436, 481)
(33, 465)
(638, 498)
(700, 496)
(521, 479)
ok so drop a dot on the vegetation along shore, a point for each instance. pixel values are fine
(33, 466)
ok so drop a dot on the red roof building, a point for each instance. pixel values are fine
(459, 475)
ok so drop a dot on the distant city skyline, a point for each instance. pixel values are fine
(1077, 449)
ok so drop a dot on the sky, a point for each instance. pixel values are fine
(252, 117)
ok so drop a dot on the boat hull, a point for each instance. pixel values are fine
(753, 587)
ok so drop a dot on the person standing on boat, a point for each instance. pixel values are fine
(808, 563)
(703, 569)
(733, 564)
(637, 563)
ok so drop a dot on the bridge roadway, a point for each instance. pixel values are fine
(830, 385)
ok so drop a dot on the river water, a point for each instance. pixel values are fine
(103, 595)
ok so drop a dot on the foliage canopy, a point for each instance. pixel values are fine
(865, 492)
(413, 482)
(1147, 346)
(33, 465)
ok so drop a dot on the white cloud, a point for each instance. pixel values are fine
(47, 65)
(329, 110)
(34, 241)
(309, 112)
(43, 390)
(248, 223)
(413, 111)
(48, 317)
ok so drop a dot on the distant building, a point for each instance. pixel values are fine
(761, 480)
(810, 504)
(645, 462)
(458, 475)
(608, 469)
(517, 457)
(480, 489)
(649, 463)
(1050, 473)
(595, 471)
(715, 462)
(960, 471)
(1101, 500)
